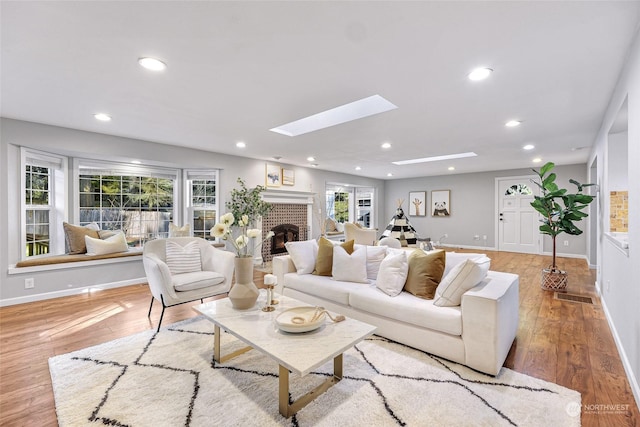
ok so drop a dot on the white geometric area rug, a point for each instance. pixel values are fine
(169, 379)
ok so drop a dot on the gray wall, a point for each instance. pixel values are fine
(75, 143)
(473, 207)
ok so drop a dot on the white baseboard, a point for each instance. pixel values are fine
(482, 248)
(67, 292)
(635, 387)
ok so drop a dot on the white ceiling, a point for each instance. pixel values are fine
(237, 69)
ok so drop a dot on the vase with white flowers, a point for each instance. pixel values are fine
(247, 206)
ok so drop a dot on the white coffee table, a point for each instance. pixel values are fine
(298, 353)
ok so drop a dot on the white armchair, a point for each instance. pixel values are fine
(362, 236)
(173, 289)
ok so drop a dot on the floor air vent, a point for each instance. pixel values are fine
(574, 298)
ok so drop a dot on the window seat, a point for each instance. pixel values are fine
(67, 258)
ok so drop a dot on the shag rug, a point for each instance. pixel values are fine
(169, 379)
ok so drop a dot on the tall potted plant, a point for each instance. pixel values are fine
(245, 207)
(559, 210)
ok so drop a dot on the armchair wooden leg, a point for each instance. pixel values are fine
(150, 307)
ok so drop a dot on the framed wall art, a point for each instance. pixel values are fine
(288, 177)
(440, 203)
(273, 176)
(417, 203)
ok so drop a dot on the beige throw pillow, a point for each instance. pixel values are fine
(111, 245)
(324, 261)
(460, 279)
(74, 236)
(175, 231)
(425, 273)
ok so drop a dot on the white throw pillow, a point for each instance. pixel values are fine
(349, 268)
(454, 258)
(460, 279)
(303, 254)
(175, 231)
(110, 245)
(393, 273)
(375, 255)
(183, 259)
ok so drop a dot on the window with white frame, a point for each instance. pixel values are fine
(350, 203)
(138, 200)
(201, 194)
(43, 202)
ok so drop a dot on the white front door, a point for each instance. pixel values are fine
(517, 221)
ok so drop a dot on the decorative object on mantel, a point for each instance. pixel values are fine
(557, 219)
(171, 378)
(400, 228)
(246, 205)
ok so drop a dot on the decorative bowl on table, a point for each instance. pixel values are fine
(300, 319)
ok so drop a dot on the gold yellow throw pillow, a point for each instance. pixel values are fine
(324, 261)
(74, 235)
(425, 273)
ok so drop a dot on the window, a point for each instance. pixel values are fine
(348, 203)
(338, 204)
(137, 200)
(43, 202)
(201, 201)
(518, 189)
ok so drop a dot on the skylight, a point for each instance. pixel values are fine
(345, 113)
(435, 158)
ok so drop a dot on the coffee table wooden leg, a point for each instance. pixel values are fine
(216, 348)
(287, 410)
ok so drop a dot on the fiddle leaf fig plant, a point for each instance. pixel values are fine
(559, 208)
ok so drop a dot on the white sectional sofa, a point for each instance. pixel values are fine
(478, 333)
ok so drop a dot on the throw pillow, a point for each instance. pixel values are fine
(105, 234)
(330, 225)
(110, 245)
(175, 231)
(460, 279)
(393, 273)
(324, 262)
(350, 267)
(183, 259)
(425, 273)
(375, 255)
(303, 254)
(74, 236)
(455, 258)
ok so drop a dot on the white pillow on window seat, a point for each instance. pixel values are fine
(110, 245)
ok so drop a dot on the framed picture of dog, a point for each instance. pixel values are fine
(440, 203)
(417, 203)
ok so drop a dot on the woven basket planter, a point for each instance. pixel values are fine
(554, 280)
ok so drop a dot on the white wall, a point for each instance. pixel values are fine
(618, 152)
(90, 145)
(473, 207)
(619, 275)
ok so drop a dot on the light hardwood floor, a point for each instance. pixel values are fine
(564, 342)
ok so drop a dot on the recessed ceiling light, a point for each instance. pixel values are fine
(480, 73)
(152, 64)
(389, 174)
(537, 160)
(529, 147)
(136, 162)
(315, 165)
(345, 113)
(386, 145)
(435, 158)
(358, 168)
(451, 168)
(512, 123)
(311, 159)
(102, 117)
(240, 144)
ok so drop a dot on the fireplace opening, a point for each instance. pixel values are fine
(282, 234)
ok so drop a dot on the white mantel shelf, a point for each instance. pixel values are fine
(288, 196)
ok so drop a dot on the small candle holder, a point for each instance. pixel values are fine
(270, 282)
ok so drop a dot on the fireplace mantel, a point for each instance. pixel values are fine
(287, 196)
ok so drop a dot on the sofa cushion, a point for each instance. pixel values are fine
(455, 258)
(324, 261)
(110, 245)
(409, 309)
(303, 254)
(183, 259)
(197, 280)
(462, 277)
(425, 273)
(349, 267)
(393, 273)
(74, 236)
(322, 287)
(375, 255)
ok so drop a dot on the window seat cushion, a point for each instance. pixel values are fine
(59, 259)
